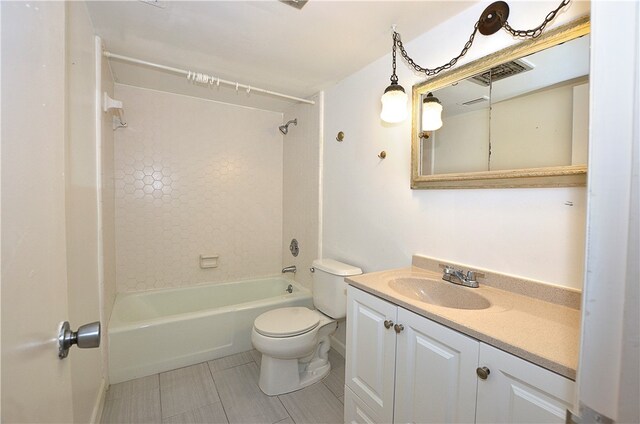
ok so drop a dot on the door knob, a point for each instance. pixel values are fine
(483, 372)
(87, 336)
(398, 328)
(388, 324)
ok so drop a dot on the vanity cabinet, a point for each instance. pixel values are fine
(404, 368)
(517, 391)
(371, 355)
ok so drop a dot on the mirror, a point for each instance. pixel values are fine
(516, 118)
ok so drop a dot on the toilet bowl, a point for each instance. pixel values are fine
(295, 341)
(296, 357)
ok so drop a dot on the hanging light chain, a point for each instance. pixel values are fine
(396, 39)
(531, 33)
(434, 71)
(536, 32)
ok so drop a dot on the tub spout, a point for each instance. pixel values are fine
(291, 268)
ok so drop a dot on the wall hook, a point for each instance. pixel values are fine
(340, 136)
(382, 154)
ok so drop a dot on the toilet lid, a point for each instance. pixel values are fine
(286, 322)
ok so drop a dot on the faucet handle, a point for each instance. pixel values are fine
(472, 275)
(448, 269)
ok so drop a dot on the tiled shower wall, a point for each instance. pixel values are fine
(195, 177)
(301, 184)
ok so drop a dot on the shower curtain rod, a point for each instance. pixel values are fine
(192, 75)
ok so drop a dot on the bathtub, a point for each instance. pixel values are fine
(160, 330)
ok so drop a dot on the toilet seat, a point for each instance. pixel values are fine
(286, 322)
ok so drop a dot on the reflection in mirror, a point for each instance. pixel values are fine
(462, 143)
(530, 112)
(539, 118)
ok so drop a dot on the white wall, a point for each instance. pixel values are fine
(533, 130)
(580, 130)
(193, 177)
(461, 144)
(82, 207)
(372, 219)
(301, 161)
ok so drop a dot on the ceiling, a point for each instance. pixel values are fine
(266, 44)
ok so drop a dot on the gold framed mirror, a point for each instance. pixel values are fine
(533, 129)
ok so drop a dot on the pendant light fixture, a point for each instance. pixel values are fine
(394, 99)
(493, 18)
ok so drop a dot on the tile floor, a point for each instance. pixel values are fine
(224, 390)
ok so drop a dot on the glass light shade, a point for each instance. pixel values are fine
(431, 115)
(394, 104)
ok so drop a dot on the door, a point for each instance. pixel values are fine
(517, 391)
(371, 348)
(435, 373)
(36, 385)
(608, 387)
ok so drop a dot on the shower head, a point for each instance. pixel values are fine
(284, 129)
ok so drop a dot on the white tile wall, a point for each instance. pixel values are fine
(195, 177)
(300, 186)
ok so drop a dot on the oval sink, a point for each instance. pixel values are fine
(439, 293)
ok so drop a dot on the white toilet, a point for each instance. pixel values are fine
(294, 342)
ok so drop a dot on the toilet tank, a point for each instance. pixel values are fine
(329, 288)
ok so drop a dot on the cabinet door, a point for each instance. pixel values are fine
(371, 348)
(517, 391)
(435, 373)
(355, 411)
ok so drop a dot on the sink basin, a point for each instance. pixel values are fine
(439, 293)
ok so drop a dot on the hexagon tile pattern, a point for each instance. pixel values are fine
(195, 177)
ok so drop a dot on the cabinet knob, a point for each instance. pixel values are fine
(483, 372)
(398, 328)
(388, 324)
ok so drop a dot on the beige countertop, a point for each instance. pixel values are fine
(544, 333)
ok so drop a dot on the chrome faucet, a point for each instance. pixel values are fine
(290, 268)
(457, 276)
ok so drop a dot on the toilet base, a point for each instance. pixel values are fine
(279, 376)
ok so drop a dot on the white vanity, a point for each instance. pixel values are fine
(416, 355)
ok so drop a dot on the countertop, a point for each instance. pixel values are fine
(541, 332)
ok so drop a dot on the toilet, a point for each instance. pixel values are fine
(294, 342)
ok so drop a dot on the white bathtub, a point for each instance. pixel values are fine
(161, 330)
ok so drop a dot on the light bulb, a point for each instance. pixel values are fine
(431, 113)
(394, 104)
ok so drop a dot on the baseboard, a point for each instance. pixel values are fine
(338, 346)
(96, 415)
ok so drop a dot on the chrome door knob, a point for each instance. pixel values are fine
(398, 328)
(388, 324)
(87, 336)
(483, 372)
